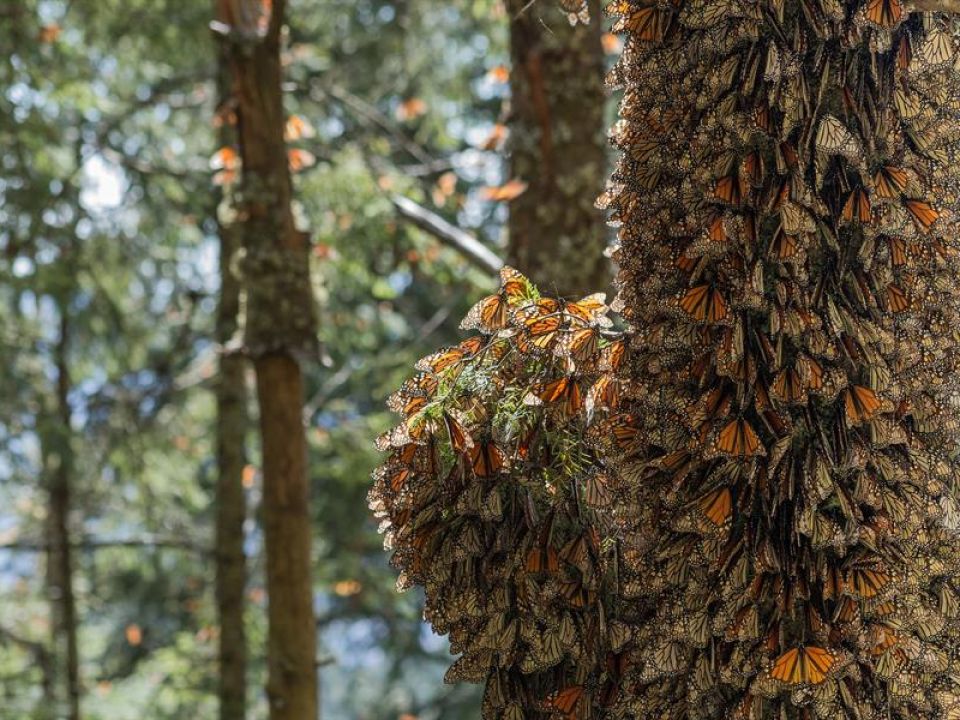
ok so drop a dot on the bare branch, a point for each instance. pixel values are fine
(99, 544)
(453, 237)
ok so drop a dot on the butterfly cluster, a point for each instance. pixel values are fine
(745, 507)
(492, 500)
(786, 199)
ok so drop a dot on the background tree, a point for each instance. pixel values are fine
(279, 329)
(557, 147)
(232, 421)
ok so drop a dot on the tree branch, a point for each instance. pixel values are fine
(99, 544)
(453, 237)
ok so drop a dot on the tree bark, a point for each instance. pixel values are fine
(556, 235)
(58, 461)
(279, 327)
(232, 423)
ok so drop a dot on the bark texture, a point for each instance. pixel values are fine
(557, 147)
(279, 327)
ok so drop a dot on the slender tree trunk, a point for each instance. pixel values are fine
(232, 423)
(557, 147)
(280, 327)
(58, 455)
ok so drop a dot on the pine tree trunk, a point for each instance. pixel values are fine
(279, 328)
(231, 509)
(557, 146)
(58, 461)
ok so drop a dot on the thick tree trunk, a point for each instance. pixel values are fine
(557, 236)
(58, 457)
(279, 327)
(232, 423)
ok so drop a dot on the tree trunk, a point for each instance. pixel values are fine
(58, 461)
(279, 327)
(556, 235)
(231, 509)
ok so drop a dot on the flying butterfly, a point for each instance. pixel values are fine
(805, 665)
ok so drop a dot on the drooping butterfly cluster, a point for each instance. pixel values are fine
(493, 501)
(770, 449)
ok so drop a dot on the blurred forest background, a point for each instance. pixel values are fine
(426, 140)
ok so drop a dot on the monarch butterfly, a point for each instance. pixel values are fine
(595, 491)
(803, 665)
(898, 251)
(460, 441)
(685, 264)
(857, 207)
(704, 304)
(717, 232)
(539, 333)
(488, 315)
(885, 13)
(896, 299)
(738, 439)
(486, 459)
(645, 23)
(439, 361)
(575, 594)
(612, 355)
(589, 309)
(572, 703)
(395, 476)
(604, 393)
(788, 387)
(542, 560)
(923, 213)
(729, 189)
(784, 246)
(565, 391)
(582, 345)
(753, 169)
(861, 404)
(718, 506)
(868, 582)
(890, 181)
